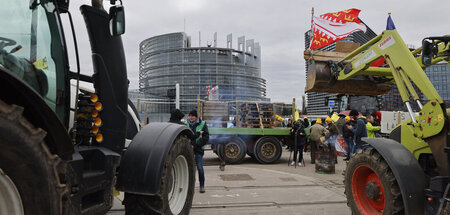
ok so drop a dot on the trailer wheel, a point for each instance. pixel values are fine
(177, 185)
(267, 150)
(370, 185)
(233, 151)
(29, 182)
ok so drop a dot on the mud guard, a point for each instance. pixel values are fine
(143, 162)
(408, 173)
(14, 90)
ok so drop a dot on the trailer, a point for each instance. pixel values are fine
(265, 145)
(255, 130)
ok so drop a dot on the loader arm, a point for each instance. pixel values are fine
(403, 69)
(403, 66)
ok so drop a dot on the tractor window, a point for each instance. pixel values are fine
(26, 45)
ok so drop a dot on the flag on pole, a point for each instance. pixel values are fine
(331, 27)
(210, 90)
(390, 24)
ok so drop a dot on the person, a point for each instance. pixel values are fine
(348, 136)
(306, 122)
(175, 116)
(340, 123)
(359, 130)
(201, 138)
(316, 137)
(333, 133)
(289, 124)
(371, 126)
(331, 127)
(298, 134)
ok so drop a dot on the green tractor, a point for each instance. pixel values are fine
(407, 173)
(63, 154)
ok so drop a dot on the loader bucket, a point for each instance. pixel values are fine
(320, 79)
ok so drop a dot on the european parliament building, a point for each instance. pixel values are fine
(168, 59)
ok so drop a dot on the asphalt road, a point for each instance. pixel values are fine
(253, 188)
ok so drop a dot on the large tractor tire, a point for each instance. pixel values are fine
(267, 150)
(177, 185)
(29, 182)
(370, 185)
(233, 150)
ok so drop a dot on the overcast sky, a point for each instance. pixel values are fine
(278, 25)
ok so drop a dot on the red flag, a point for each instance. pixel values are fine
(331, 27)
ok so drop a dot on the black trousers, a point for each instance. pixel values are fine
(298, 149)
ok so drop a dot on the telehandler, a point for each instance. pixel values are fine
(407, 173)
(52, 164)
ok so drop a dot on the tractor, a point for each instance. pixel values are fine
(63, 147)
(407, 173)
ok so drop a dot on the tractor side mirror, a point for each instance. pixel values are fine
(427, 52)
(116, 20)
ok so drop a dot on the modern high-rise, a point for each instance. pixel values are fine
(169, 59)
(439, 75)
(316, 102)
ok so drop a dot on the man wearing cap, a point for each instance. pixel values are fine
(359, 130)
(199, 141)
(175, 116)
(348, 136)
(316, 137)
(306, 122)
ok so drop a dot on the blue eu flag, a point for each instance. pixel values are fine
(390, 24)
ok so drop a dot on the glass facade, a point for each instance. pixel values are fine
(439, 75)
(169, 59)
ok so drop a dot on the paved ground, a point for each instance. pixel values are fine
(253, 188)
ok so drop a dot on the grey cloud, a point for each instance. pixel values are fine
(278, 26)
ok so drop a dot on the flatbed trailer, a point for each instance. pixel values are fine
(265, 145)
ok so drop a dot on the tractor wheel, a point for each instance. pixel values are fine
(29, 182)
(370, 185)
(233, 151)
(267, 150)
(177, 185)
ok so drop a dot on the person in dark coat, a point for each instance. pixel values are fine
(175, 116)
(359, 130)
(348, 136)
(201, 138)
(306, 122)
(298, 130)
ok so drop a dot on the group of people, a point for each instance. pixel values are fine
(198, 140)
(356, 127)
(352, 128)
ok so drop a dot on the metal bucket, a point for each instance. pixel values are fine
(321, 80)
(325, 160)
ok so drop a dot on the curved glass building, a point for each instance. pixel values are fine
(169, 59)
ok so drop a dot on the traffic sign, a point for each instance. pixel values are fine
(330, 103)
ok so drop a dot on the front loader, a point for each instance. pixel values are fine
(409, 172)
(52, 163)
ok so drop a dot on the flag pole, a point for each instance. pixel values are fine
(311, 35)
